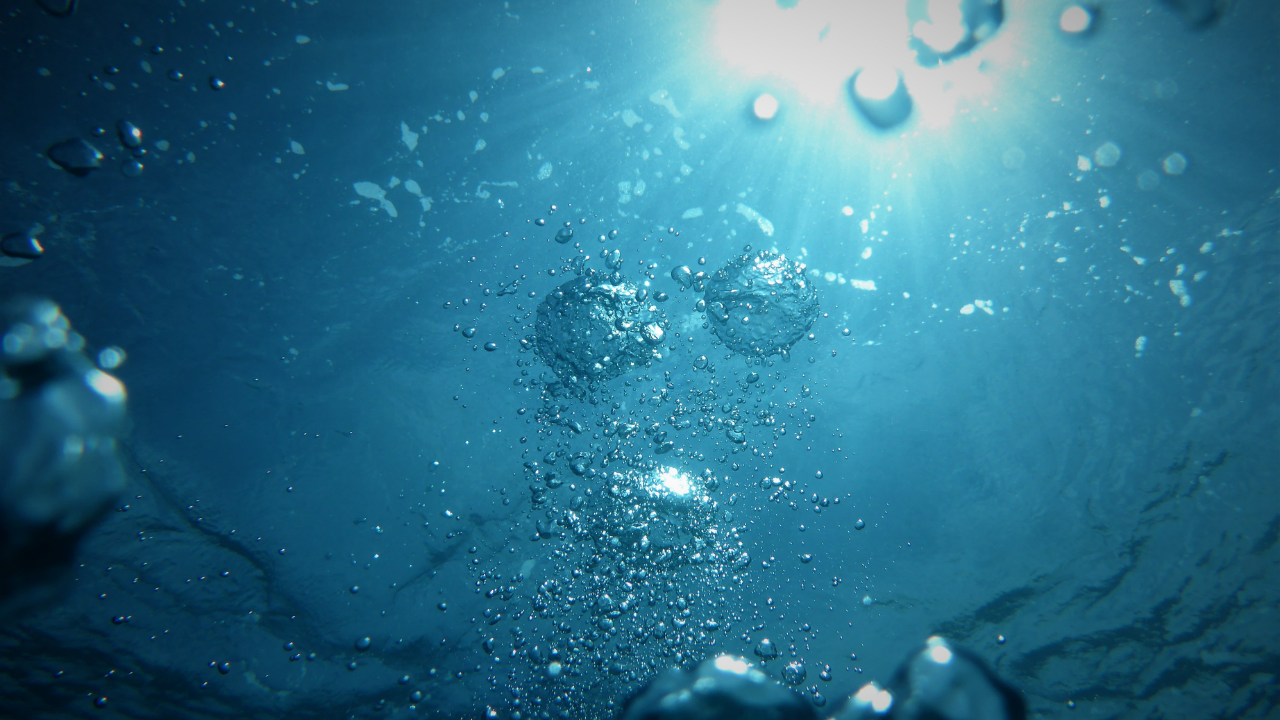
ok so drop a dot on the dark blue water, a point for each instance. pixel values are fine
(1043, 377)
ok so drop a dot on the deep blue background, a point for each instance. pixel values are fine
(1025, 473)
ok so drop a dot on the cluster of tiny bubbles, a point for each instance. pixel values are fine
(637, 552)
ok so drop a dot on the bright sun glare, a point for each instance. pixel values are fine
(674, 481)
(816, 46)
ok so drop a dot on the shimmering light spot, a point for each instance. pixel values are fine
(105, 385)
(872, 695)
(674, 480)
(765, 107)
(728, 663)
(1075, 19)
(940, 654)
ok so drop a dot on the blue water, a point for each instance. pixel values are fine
(1054, 408)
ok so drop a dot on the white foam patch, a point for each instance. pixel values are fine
(752, 216)
(373, 191)
(485, 194)
(868, 285)
(336, 87)
(370, 190)
(408, 137)
(497, 73)
(480, 145)
(663, 98)
(301, 39)
(678, 135)
(630, 118)
(1179, 288)
(413, 187)
(544, 172)
(691, 213)
(296, 148)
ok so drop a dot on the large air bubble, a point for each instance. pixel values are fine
(595, 328)
(760, 303)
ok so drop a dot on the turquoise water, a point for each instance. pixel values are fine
(1034, 410)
